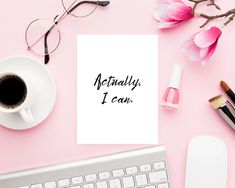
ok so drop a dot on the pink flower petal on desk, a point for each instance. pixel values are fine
(172, 1)
(160, 13)
(165, 25)
(192, 51)
(204, 52)
(207, 37)
(201, 46)
(170, 13)
(210, 52)
(167, 1)
(179, 11)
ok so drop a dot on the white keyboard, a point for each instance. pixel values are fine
(142, 168)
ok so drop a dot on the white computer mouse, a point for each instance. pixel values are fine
(206, 163)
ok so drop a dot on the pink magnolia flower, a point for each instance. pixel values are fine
(201, 46)
(170, 13)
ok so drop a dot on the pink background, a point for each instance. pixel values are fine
(54, 141)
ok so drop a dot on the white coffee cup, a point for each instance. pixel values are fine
(23, 96)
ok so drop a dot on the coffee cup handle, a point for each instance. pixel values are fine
(27, 115)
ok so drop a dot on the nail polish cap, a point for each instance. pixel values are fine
(176, 75)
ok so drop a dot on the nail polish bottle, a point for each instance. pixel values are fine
(171, 96)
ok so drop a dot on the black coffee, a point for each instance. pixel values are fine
(12, 91)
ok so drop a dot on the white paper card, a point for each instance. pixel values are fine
(117, 89)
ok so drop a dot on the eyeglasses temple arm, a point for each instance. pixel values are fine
(47, 56)
(99, 3)
(103, 3)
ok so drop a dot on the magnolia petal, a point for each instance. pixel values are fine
(207, 37)
(170, 1)
(179, 11)
(191, 50)
(211, 51)
(160, 13)
(204, 52)
(167, 1)
(166, 25)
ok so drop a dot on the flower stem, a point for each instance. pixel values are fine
(230, 14)
(211, 3)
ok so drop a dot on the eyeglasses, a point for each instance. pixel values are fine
(43, 36)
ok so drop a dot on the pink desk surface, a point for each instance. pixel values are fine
(54, 141)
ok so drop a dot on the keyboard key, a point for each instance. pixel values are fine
(141, 180)
(128, 182)
(104, 175)
(36, 186)
(115, 183)
(158, 176)
(51, 184)
(159, 165)
(76, 186)
(24, 187)
(150, 186)
(145, 168)
(77, 180)
(131, 170)
(118, 173)
(102, 184)
(91, 185)
(164, 185)
(91, 177)
(63, 183)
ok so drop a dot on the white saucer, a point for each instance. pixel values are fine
(46, 92)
